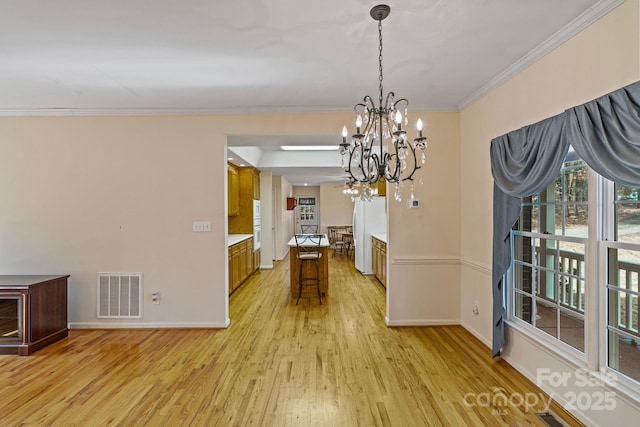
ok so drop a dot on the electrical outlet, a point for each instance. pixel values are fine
(201, 226)
(476, 307)
(155, 297)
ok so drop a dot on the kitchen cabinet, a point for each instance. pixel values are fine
(255, 183)
(234, 266)
(241, 264)
(379, 260)
(256, 260)
(248, 191)
(233, 191)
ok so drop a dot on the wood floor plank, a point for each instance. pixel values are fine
(278, 364)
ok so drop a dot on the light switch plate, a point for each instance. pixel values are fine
(201, 226)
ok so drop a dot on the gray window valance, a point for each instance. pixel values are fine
(604, 132)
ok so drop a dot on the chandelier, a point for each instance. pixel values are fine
(380, 148)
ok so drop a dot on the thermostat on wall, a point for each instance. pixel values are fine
(415, 203)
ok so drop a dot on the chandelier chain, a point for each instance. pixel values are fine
(380, 57)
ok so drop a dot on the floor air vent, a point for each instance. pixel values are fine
(120, 295)
(551, 419)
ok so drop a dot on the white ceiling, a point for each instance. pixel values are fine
(199, 56)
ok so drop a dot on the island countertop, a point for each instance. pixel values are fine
(323, 242)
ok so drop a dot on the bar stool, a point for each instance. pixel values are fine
(308, 254)
(309, 229)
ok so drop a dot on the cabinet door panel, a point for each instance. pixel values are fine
(233, 191)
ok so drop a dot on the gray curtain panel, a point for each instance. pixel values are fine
(523, 162)
(604, 132)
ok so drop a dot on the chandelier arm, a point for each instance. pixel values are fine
(389, 104)
(396, 104)
(415, 162)
(357, 107)
(376, 165)
(392, 176)
(348, 170)
(369, 125)
(362, 164)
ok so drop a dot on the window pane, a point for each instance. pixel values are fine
(528, 220)
(576, 188)
(523, 276)
(547, 254)
(546, 285)
(576, 220)
(624, 192)
(628, 222)
(546, 318)
(624, 268)
(624, 355)
(572, 329)
(522, 249)
(548, 218)
(522, 307)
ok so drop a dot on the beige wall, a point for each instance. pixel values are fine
(601, 58)
(267, 220)
(423, 284)
(84, 195)
(336, 208)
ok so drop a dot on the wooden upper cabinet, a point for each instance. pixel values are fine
(233, 191)
(256, 184)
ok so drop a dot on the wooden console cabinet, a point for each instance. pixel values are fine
(33, 312)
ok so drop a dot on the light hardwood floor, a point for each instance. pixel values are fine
(278, 364)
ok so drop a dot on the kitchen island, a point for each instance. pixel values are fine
(294, 269)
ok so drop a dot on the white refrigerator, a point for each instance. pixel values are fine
(368, 217)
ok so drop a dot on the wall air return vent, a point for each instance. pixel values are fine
(120, 295)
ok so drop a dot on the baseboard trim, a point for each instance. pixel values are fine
(130, 325)
(476, 334)
(436, 322)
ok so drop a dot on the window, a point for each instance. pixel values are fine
(622, 249)
(549, 246)
(551, 262)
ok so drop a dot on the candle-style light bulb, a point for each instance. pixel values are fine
(358, 124)
(344, 134)
(419, 127)
(398, 119)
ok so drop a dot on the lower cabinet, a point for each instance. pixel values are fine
(256, 260)
(379, 260)
(241, 263)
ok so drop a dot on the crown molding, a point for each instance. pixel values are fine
(591, 15)
(195, 111)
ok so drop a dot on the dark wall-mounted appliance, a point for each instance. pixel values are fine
(291, 203)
